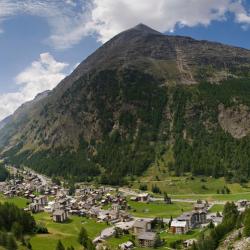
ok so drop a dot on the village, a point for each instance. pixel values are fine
(109, 205)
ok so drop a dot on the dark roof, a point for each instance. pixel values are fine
(147, 236)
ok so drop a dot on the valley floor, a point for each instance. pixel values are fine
(184, 191)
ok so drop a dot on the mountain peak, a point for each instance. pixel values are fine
(146, 29)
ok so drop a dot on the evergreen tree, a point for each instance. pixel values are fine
(247, 223)
(83, 237)
(11, 243)
(17, 230)
(89, 245)
(59, 246)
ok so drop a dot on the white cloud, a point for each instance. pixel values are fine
(67, 19)
(72, 20)
(112, 16)
(41, 75)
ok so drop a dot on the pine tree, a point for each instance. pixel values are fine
(11, 243)
(247, 224)
(60, 246)
(83, 237)
(17, 230)
(89, 245)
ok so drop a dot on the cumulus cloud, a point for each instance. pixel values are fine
(43, 74)
(112, 16)
(72, 20)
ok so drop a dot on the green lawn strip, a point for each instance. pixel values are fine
(18, 201)
(152, 210)
(216, 208)
(214, 197)
(169, 237)
(188, 184)
(114, 243)
(66, 232)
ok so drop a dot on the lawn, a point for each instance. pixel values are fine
(114, 243)
(212, 197)
(169, 237)
(66, 232)
(155, 209)
(18, 201)
(190, 185)
(216, 208)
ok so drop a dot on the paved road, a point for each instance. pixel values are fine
(44, 179)
(128, 191)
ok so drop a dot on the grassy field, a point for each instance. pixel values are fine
(191, 185)
(66, 232)
(216, 208)
(158, 174)
(169, 237)
(212, 197)
(18, 201)
(155, 209)
(113, 242)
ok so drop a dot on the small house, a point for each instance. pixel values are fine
(179, 227)
(35, 207)
(143, 197)
(41, 200)
(141, 226)
(146, 239)
(60, 216)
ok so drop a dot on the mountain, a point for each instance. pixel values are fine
(11, 124)
(5, 121)
(139, 98)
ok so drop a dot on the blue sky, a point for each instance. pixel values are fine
(43, 41)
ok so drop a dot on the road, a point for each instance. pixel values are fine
(130, 192)
(44, 179)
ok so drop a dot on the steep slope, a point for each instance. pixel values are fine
(10, 126)
(5, 121)
(138, 96)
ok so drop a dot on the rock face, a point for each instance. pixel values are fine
(235, 120)
(233, 242)
(118, 110)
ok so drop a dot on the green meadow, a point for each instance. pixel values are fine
(18, 201)
(158, 209)
(66, 232)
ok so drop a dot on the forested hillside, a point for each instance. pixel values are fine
(139, 96)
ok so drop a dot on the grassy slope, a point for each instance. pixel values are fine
(66, 232)
(190, 187)
(216, 208)
(153, 210)
(18, 201)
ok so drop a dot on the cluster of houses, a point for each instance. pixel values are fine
(242, 205)
(190, 220)
(105, 205)
(24, 185)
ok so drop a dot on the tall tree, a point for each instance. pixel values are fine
(60, 246)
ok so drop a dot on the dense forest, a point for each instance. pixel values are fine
(14, 224)
(4, 174)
